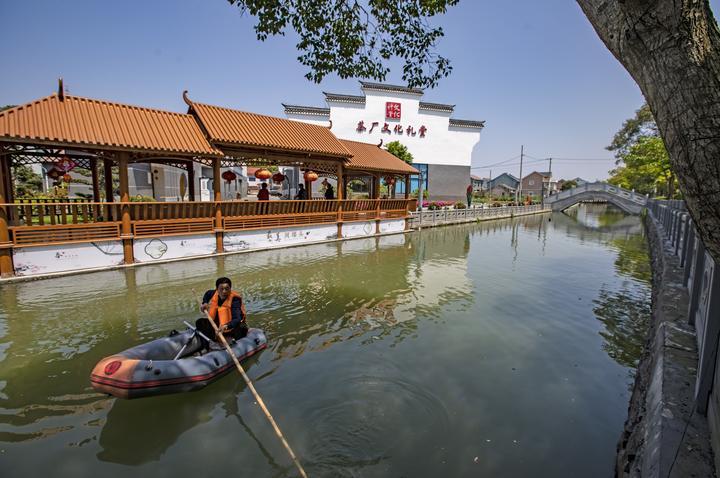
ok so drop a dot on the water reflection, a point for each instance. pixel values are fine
(403, 355)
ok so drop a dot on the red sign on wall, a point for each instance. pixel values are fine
(392, 110)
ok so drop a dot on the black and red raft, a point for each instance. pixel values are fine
(169, 365)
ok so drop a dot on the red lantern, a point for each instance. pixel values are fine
(389, 180)
(54, 173)
(67, 178)
(263, 174)
(310, 176)
(278, 178)
(229, 176)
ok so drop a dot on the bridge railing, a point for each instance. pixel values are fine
(455, 216)
(599, 186)
(701, 277)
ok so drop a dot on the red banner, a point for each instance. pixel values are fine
(392, 110)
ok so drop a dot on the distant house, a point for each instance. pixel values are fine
(504, 185)
(537, 184)
(580, 181)
(478, 183)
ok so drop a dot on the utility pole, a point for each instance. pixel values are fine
(518, 193)
(550, 180)
(488, 185)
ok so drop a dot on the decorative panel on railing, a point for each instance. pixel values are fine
(37, 235)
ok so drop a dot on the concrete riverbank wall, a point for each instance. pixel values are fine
(667, 433)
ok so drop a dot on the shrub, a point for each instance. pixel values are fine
(460, 205)
(140, 198)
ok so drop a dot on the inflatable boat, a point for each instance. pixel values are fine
(172, 364)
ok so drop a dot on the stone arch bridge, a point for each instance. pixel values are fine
(628, 201)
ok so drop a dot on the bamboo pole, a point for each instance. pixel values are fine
(255, 393)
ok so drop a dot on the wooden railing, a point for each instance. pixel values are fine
(35, 223)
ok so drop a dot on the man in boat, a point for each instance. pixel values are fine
(227, 310)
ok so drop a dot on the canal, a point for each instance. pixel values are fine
(504, 348)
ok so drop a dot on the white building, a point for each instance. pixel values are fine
(442, 147)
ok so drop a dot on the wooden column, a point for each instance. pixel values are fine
(341, 183)
(95, 180)
(376, 187)
(126, 220)
(340, 197)
(377, 216)
(308, 189)
(107, 171)
(9, 193)
(191, 180)
(6, 262)
(217, 197)
(407, 186)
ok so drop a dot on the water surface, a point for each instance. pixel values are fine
(503, 348)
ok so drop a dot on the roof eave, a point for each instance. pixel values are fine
(104, 147)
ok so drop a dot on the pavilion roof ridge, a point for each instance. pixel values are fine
(78, 121)
(229, 126)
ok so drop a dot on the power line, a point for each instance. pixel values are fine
(511, 164)
(496, 164)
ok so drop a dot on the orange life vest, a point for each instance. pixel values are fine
(223, 314)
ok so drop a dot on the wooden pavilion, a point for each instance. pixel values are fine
(94, 133)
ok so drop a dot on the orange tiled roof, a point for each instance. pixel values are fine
(370, 157)
(232, 127)
(85, 122)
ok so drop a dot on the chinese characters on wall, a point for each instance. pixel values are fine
(394, 129)
(392, 111)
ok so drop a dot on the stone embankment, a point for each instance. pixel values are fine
(664, 435)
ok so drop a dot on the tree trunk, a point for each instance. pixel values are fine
(672, 50)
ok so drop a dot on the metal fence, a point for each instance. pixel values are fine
(457, 216)
(701, 276)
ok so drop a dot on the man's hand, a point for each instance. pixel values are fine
(204, 307)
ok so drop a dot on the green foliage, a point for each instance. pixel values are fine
(568, 185)
(646, 168)
(7, 107)
(26, 183)
(414, 194)
(642, 159)
(642, 124)
(56, 192)
(399, 150)
(460, 205)
(141, 198)
(357, 185)
(85, 176)
(354, 38)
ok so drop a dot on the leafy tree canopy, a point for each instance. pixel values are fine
(569, 184)
(642, 159)
(646, 167)
(397, 149)
(354, 38)
(26, 182)
(642, 124)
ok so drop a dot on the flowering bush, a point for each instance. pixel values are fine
(435, 205)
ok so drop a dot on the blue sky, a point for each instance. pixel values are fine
(535, 71)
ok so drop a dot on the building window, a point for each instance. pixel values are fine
(531, 182)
